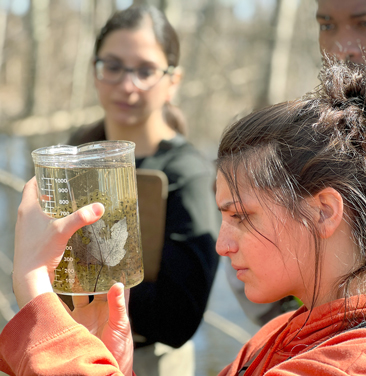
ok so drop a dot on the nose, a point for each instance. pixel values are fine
(346, 47)
(350, 52)
(225, 241)
(127, 83)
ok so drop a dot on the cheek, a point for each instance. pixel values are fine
(103, 91)
(153, 99)
(159, 93)
(361, 39)
(296, 249)
(325, 42)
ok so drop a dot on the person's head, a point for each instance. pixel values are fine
(342, 29)
(136, 56)
(291, 187)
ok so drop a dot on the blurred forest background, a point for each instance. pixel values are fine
(237, 55)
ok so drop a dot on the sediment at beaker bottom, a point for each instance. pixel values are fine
(95, 279)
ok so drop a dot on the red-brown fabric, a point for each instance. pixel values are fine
(42, 339)
(318, 349)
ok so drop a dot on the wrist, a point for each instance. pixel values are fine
(27, 286)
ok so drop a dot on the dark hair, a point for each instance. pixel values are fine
(134, 18)
(293, 150)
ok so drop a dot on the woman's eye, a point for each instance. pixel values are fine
(327, 27)
(145, 72)
(240, 217)
(113, 67)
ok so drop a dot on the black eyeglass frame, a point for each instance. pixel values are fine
(132, 71)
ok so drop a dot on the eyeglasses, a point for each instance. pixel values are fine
(113, 72)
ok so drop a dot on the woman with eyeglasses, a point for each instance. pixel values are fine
(136, 74)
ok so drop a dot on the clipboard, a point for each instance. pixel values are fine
(152, 193)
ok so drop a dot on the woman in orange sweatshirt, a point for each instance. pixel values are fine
(291, 188)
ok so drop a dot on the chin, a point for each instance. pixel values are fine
(260, 297)
(126, 121)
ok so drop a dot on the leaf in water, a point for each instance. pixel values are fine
(107, 248)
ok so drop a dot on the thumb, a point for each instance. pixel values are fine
(82, 217)
(118, 319)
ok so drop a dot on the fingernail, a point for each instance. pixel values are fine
(98, 209)
(120, 291)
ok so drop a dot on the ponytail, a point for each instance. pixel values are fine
(175, 118)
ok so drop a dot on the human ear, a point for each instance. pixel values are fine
(175, 80)
(328, 211)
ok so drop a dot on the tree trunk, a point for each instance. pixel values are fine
(3, 24)
(40, 27)
(30, 66)
(163, 4)
(281, 52)
(83, 57)
(262, 97)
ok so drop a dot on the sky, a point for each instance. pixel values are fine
(243, 9)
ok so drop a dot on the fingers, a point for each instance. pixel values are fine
(30, 189)
(100, 297)
(82, 217)
(29, 198)
(67, 225)
(117, 308)
(127, 299)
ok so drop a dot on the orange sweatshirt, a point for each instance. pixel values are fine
(42, 339)
(319, 349)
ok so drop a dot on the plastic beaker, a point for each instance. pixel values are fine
(109, 250)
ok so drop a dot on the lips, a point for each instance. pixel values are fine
(125, 105)
(238, 267)
(241, 271)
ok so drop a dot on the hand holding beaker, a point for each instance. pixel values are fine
(40, 242)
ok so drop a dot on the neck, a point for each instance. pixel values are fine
(146, 136)
(339, 258)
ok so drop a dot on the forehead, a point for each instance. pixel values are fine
(139, 44)
(224, 194)
(345, 8)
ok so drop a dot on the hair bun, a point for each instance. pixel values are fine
(343, 99)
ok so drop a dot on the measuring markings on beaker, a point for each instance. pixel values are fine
(49, 193)
(57, 275)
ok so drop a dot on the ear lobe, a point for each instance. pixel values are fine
(177, 76)
(328, 203)
(175, 80)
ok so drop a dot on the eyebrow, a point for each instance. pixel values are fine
(358, 15)
(329, 18)
(112, 56)
(323, 17)
(227, 206)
